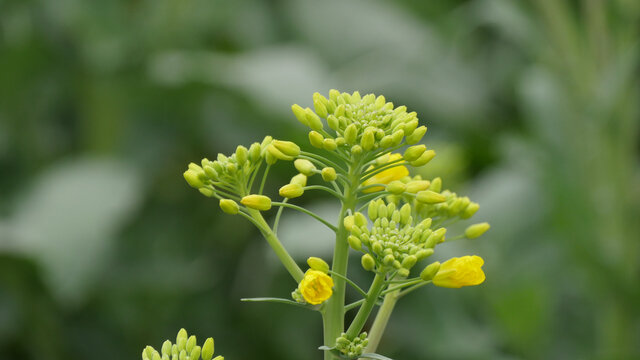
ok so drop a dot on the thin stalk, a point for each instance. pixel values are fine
(365, 310)
(276, 245)
(381, 321)
(310, 213)
(324, 188)
(264, 179)
(354, 285)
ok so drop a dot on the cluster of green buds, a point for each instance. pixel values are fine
(352, 348)
(393, 242)
(185, 348)
(359, 123)
(231, 178)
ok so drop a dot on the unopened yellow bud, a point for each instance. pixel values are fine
(299, 179)
(388, 175)
(351, 134)
(414, 152)
(229, 206)
(470, 210)
(277, 153)
(409, 261)
(320, 107)
(356, 150)
(207, 349)
(333, 122)
(354, 242)
(316, 139)
(430, 271)
(436, 185)
(417, 186)
(329, 174)
(424, 158)
(368, 263)
(397, 137)
(459, 272)
(476, 230)
(318, 264)
(300, 114)
(291, 191)
(219, 357)
(314, 120)
(396, 187)
(191, 342)
(255, 152)
(386, 141)
(430, 197)
(329, 144)
(194, 179)
(368, 140)
(257, 202)
(181, 339)
(287, 147)
(208, 192)
(372, 210)
(305, 167)
(348, 222)
(195, 352)
(417, 135)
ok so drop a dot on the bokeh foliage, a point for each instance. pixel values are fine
(532, 108)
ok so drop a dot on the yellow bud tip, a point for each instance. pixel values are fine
(476, 230)
(430, 197)
(257, 202)
(318, 264)
(329, 174)
(229, 206)
(316, 287)
(386, 176)
(291, 191)
(458, 272)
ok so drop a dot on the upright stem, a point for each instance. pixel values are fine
(333, 317)
(365, 309)
(380, 323)
(277, 247)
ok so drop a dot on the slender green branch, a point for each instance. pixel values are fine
(365, 310)
(276, 222)
(324, 188)
(323, 161)
(255, 171)
(310, 213)
(354, 285)
(413, 288)
(264, 178)
(380, 322)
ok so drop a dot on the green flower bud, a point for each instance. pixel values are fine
(191, 342)
(410, 126)
(348, 222)
(314, 120)
(396, 187)
(430, 271)
(409, 261)
(368, 263)
(340, 141)
(414, 152)
(470, 210)
(476, 230)
(417, 135)
(405, 214)
(299, 179)
(430, 197)
(320, 108)
(242, 155)
(207, 349)
(208, 192)
(181, 339)
(388, 260)
(360, 219)
(416, 186)
(270, 159)
(386, 141)
(254, 152)
(438, 235)
(333, 122)
(351, 134)
(277, 153)
(397, 137)
(424, 158)
(287, 147)
(257, 202)
(318, 264)
(355, 243)
(403, 272)
(372, 210)
(195, 352)
(329, 144)
(368, 140)
(291, 191)
(166, 348)
(356, 150)
(219, 357)
(301, 115)
(424, 253)
(211, 172)
(329, 174)
(316, 139)
(305, 167)
(436, 185)
(194, 179)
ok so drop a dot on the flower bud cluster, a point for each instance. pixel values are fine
(352, 348)
(185, 348)
(360, 123)
(393, 242)
(445, 204)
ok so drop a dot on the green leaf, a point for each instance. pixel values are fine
(279, 300)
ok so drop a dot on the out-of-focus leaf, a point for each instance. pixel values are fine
(68, 217)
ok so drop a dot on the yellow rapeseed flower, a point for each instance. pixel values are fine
(386, 176)
(316, 287)
(458, 272)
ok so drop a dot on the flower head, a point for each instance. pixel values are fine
(388, 175)
(316, 287)
(458, 272)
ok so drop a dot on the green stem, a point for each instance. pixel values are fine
(380, 323)
(276, 245)
(310, 213)
(333, 318)
(365, 310)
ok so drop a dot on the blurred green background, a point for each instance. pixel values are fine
(532, 107)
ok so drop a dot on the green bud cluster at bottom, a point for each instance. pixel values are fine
(352, 348)
(185, 348)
